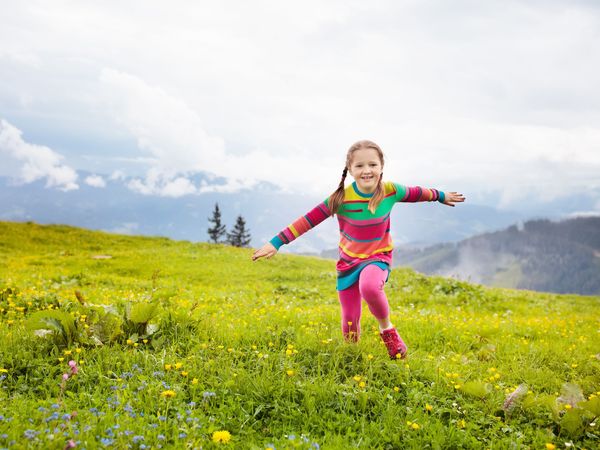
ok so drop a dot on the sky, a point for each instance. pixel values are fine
(499, 100)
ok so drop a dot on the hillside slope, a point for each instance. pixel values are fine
(542, 255)
(190, 345)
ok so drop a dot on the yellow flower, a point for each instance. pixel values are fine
(67, 352)
(362, 384)
(61, 359)
(195, 381)
(369, 356)
(357, 378)
(221, 437)
(168, 366)
(168, 394)
(289, 352)
(396, 389)
(461, 423)
(184, 373)
(178, 365)
(290, 373)
(3, 370)
(428, 407)
(550, 446)
(415, 426)
(78, 350)
(145, 341)
(567, 406)
(129, 342)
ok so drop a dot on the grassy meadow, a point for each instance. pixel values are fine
(110, 341)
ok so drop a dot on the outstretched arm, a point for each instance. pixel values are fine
(421, 194)
(296, 229)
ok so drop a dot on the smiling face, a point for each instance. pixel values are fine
(366, 167)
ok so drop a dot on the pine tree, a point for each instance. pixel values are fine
(240, 236)
(218, 229)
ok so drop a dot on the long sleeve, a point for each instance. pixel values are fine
(301, 225)
(415, 194)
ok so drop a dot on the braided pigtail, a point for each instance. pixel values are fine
(377, 195)
(337, 198)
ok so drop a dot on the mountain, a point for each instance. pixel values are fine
(540, 255)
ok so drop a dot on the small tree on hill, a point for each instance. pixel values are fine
(217, 231)
(240, 236)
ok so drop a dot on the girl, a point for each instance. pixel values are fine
(365, 250)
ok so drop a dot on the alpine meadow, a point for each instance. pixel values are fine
(116, 341)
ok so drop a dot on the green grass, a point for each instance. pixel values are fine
(255, 349)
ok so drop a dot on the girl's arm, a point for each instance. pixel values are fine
(296, 229)
(420, 194)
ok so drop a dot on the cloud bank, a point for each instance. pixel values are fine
(36, 161)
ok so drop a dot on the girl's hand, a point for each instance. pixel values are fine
(453, 197)
(267, 250)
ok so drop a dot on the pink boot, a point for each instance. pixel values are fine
(394, 343)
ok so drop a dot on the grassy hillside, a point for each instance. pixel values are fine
(542, 255)
(182, 345)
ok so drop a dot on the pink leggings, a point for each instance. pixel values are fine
(370, 287)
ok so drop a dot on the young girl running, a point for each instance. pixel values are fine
(365, 250)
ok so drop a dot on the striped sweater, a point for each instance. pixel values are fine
(364, 237)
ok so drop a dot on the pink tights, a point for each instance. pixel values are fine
(370, 287)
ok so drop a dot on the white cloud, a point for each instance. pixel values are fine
(37, 161)
(95, 181)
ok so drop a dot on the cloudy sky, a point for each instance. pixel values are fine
(497, 99)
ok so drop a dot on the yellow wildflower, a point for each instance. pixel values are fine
(178, 365)
(3, 370)
(168, 366)
(415, 426)
(428, 407)
(129, 342)
(396, 389)
(67, 352)
(362, 384)
(195, 381)
(184, 373)
(550, 446)
(290, 373)
(461, 423)
(357, 378)
(221, 437)
(168, 394)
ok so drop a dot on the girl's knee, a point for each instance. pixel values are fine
(371, 288)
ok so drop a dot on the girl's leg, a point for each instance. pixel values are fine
(351, 309)
(371, 283)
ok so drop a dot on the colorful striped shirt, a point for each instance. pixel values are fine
(364, 236)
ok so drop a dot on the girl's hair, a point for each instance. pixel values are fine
(337, 198)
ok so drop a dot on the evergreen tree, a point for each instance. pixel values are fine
(218, 229)
(240, 236)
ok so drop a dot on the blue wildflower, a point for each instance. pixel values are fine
(30, 434)
(137, 439)
(182, 435)
(161, 437)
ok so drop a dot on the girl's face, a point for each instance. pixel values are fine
(365, 168)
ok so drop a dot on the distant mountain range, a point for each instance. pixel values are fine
(266, 209)
(540, 255)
